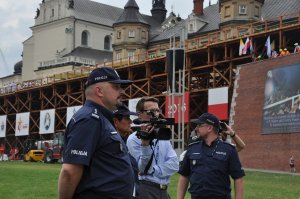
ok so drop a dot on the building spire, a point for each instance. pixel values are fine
(159, 11)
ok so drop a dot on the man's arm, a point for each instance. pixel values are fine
(240, 144)
(239, 188)
(182, 185)
(69, 178)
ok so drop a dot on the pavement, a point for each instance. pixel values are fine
(273, 171)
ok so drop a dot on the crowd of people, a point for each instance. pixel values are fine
(281, 52)
(103, 158)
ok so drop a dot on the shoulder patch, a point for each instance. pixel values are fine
(195, 142)
(95, 114)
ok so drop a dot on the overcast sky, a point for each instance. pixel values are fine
(17, 16)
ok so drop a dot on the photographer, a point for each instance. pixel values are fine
(227, 130)
(157, 159)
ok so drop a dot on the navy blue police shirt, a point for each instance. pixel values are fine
(209, 167)
(92, 141)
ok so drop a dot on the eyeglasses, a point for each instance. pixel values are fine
(152, 111)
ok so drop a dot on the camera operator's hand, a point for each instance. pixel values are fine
(148, 128)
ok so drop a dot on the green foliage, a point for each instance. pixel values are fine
(28, 180)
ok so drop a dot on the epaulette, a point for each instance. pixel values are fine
(95, 114)
(230, 144)
(194, 140)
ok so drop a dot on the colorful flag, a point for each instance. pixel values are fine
(218, 102)
(247, 46)
(268, 46)
(251, 46)
(242, 45)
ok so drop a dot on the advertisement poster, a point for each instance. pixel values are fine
(70, 112)
(281, 111)
(3, 126)
(22, 124)
(47, 121)
(132, 106)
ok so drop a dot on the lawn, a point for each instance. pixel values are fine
(20, 180)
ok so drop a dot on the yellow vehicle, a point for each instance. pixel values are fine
(33, 154)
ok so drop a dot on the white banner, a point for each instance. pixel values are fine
(3, 126)
(22, 124)
(70, 112)
(132, 106)
(47, 121)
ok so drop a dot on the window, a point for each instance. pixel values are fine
(45, 14)
(131, 34)
(144, 35)
(84, 38)
(118, 55)
(107, 40)
(256, 11)
(119, 34)
(131, 55)
(59, 10)
(191, 28)
(227, 11)
(242, 9)
(52, 13)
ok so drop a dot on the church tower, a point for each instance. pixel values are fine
(159, 11)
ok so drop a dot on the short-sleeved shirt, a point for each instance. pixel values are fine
(92, 141)
(209, 167)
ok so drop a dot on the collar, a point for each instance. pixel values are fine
(104, 111)
(213, 144)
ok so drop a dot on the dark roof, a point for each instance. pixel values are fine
(95, 12)
(98, 55)
(271, 9)
(131, 14)
(276, 8)
(108, 15)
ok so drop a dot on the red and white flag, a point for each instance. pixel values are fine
(247, 46)
(218, 102)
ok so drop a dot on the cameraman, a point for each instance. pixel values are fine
(157, 159)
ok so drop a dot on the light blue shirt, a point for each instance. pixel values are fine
(165, 161)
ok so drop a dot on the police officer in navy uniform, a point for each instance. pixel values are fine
(208, 163)
(96, 162)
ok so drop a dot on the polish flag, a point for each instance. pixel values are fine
(247, 46)
(218, 102)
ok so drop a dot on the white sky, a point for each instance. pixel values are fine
(16, 16)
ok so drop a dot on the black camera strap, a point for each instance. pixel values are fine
(151, 159)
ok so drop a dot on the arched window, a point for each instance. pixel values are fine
(107, 44)
(84, 38)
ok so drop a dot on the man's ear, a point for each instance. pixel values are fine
(99, 90)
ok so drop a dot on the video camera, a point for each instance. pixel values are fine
(160, 131)
(223, 127)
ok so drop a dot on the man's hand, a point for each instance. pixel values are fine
(148, 128)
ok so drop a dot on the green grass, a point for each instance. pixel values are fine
(19, 180)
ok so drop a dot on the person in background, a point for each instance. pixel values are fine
(123, 123)
(96, 162)
(297, 48)
(292, 164)
(239, 143)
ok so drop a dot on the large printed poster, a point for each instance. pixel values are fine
(3, 126)
(281, 111)
(132, 106)
(22, 124)
(70, 112)
(47, 121)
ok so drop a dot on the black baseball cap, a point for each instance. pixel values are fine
(207, 118)
(123, 110)
(105, 74)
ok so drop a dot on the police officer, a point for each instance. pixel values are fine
(123, 123)
(96, 162)
(208, 163)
